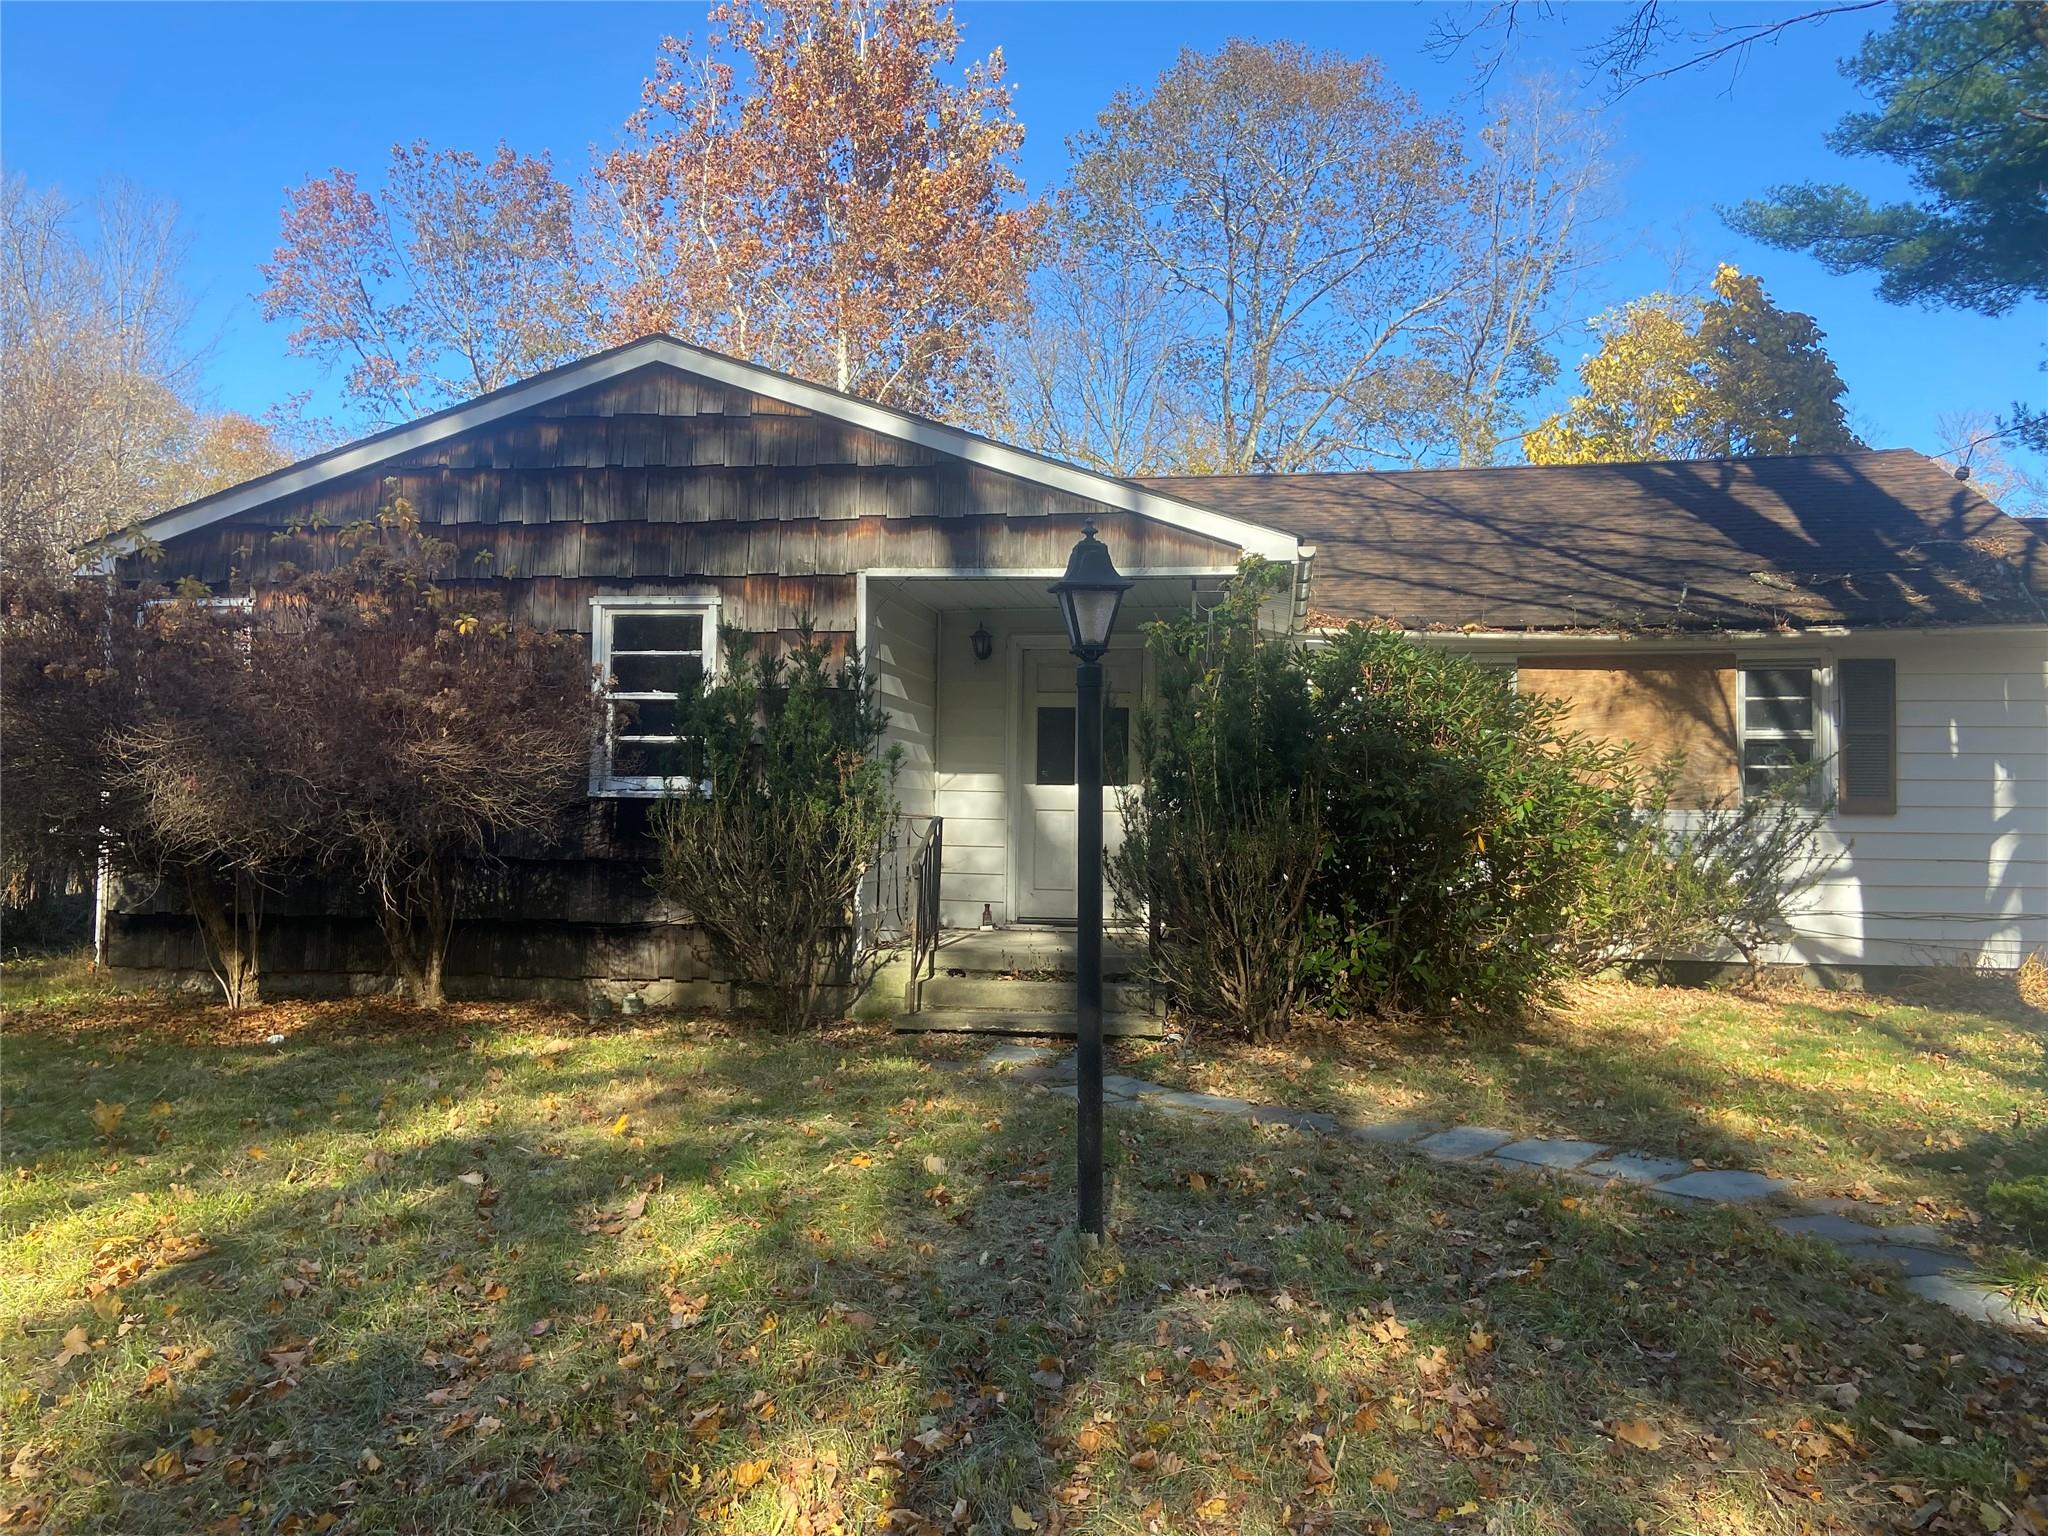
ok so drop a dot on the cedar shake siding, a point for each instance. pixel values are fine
(655, 483)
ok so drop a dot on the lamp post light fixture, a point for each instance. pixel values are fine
(1089, 595)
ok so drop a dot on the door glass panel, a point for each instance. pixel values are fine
(1055, 744)
(1116, 745)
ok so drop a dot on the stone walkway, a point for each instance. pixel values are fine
(1933, 1267)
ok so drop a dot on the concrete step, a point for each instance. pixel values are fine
(1000, 1021)
(1003, 950)
(1013, 995)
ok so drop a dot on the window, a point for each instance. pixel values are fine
(647, 651)
(1868, 735)
(1778, 719)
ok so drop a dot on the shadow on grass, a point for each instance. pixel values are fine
(851, 1298)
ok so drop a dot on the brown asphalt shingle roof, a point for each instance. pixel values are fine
(1884, 537)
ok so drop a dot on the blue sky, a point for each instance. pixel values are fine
(221, 107)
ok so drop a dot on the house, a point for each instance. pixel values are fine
(1865, 610)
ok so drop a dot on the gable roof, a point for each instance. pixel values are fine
(1876, 538)
(365, 453)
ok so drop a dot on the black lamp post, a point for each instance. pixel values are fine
(1089, 596)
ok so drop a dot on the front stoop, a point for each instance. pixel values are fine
(1015, 981)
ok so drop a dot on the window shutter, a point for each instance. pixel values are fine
(1869, 745)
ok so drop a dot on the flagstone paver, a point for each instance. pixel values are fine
(1980, 1303)
(1395, 1132)
(1016, 1054)
(1916, 1262)
(1722, 1184)
(1202, 1103)
(1844, 1233)
(1542, 1153)
(1461, 1143)
(1933, 1268)
(1637, 1168)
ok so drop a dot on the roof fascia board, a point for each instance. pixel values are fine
(1718, 639)
(1120, 495)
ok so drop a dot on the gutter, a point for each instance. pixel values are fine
(1608, 640)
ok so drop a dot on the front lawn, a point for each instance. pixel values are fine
(1918, 1103)
(502, 1273)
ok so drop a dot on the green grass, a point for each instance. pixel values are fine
(398, 1275)
(1917, 1104)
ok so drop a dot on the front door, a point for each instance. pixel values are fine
(1045, 775)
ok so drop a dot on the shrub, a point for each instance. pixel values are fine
(1465, 827)
(1224, 839)
(129, 730)
(792, 806)
(1719, 880)
(436, 726)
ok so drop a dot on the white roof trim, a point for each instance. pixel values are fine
(953, 441)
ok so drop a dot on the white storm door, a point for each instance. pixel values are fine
(1044, 826)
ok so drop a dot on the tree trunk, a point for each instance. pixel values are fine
(418, 923)
(230, 938)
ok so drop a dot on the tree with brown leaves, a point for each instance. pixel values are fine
(458, 275)
(807, 191)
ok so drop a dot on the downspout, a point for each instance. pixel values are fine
(103, 566)
(1304, 570)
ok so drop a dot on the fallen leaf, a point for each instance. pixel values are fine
(1019, 1521)
(1386, 1480)
(75, 1344)
(1643, 1436)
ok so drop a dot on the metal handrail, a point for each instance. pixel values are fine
(926, 856)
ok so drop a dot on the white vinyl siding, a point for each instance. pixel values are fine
(1959, 873)
(977, 705)
(902, 657)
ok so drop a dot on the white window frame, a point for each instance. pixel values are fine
(604, 611)
(243, 603)
(1823, 716)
